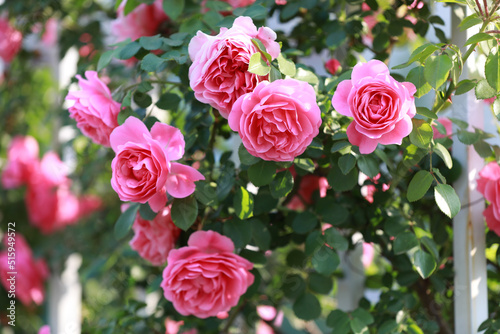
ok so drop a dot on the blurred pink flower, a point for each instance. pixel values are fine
(10, 40)
(44, 330)
(268, 313)
(417, 4)
(49, 37)
(369, 190)
(22, 159)
(332, 65)
(173, 327)
(490, 100)
(368, 254)
(308, 185)
(280, 2)
(31, 273)
(448, 125)
(488, 184)
(153, 239)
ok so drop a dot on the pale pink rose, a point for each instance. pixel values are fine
(332, 65)
(280, 2)
(488, 184)
(448, 125)
(144, 20)
(153, 239)
(278, 120)
(44, 330)
(368, 254)
(10, 40)
(206, 278)
(22, 158)
(49, 37)
(143, 170)
(49, 201)
(219, 73)
(268, 313)
(381, 107)
(417, 4)
(31, 273)
(370, 189)
(308, 185)
(94, 110)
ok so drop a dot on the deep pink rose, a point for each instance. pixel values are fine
(49, 201)
(278, 120)
(22, 158)
(10, 40)
(44, 330)
(144, 20)
(143, 170)
(488, 184)
(95, 112)
(153, 239)
(332, 65)
(206, 278)
(448, 125)
(31, 273)
(219, 73)
(382, 107)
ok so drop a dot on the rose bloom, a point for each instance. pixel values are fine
(380, 106)
(370, 189)
(31, 273)
(332, 65)
(22, 158)
(174, 327)
(10, 40)
(144, 20)
(278, 120)
(219, 73)
(153, 239)
(308, 185)
(49, 201)
(448, 125)
(95, 112)
(143, 170)
(488, 184)
(268, 313)
(206, 278)
(44, 330)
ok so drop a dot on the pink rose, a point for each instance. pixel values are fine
(278, 120)
(491, 100)
(153, 239)
(95, 112)
(268, 313)
(232, 3)
(368, 254)
(50, 203)
(174, 327)
(144, 20)
(382, 107)
(332, 65)
(206, 278)
(49, 37)
(10, 40)
(22, 158)
(280, 2)
(417, 4)
(308, 185)
(31, 273)
(143, 170)
(488, 184)
(370, 189)
(44, 330)
(448, 125)
(219, 73)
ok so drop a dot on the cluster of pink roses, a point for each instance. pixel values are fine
(31, 273)
(488, 184)
(50, 203)
(10, 40)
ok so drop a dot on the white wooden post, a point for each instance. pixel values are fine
(471, 299)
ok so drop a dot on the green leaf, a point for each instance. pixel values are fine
(417, 77)
(320, 284)
(469, 21)
(129, 50)
(205, 193)
(151, 62)
(419, 185)
(257, 65)
(424, 263)
(293, 286)
(404, 242)
(245, 157)
(447, 200)
(336, 240)
(304, 222)
(483, 149)
(258, 43)
(126, 220)
(484, 90)
(464, 86)
(339, 145)
(479, 37)
(421, 134)
(419, 54)
(151, 42)
(305, 164)
(239, 231)
(347, 163)
(256, 12)
(282, 184)
(339, 321)
(325, 261)
(224, 185)
(363, 315)
(168, 101)
(262, 173)
(307, 307)
(146, 212)
(130, 5)
(468, 138)
(426, 113)
(492, 70)
(287, 67)
(275, 74)
(260, 234)
(218, 6)
(307, 76)
(173, 8)
(368, 165)
(358, 326)
(243, 203)
(143, 100)
(341, 182)
(437, 69)
(104, 60)
(444, 154)
(184, 212)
